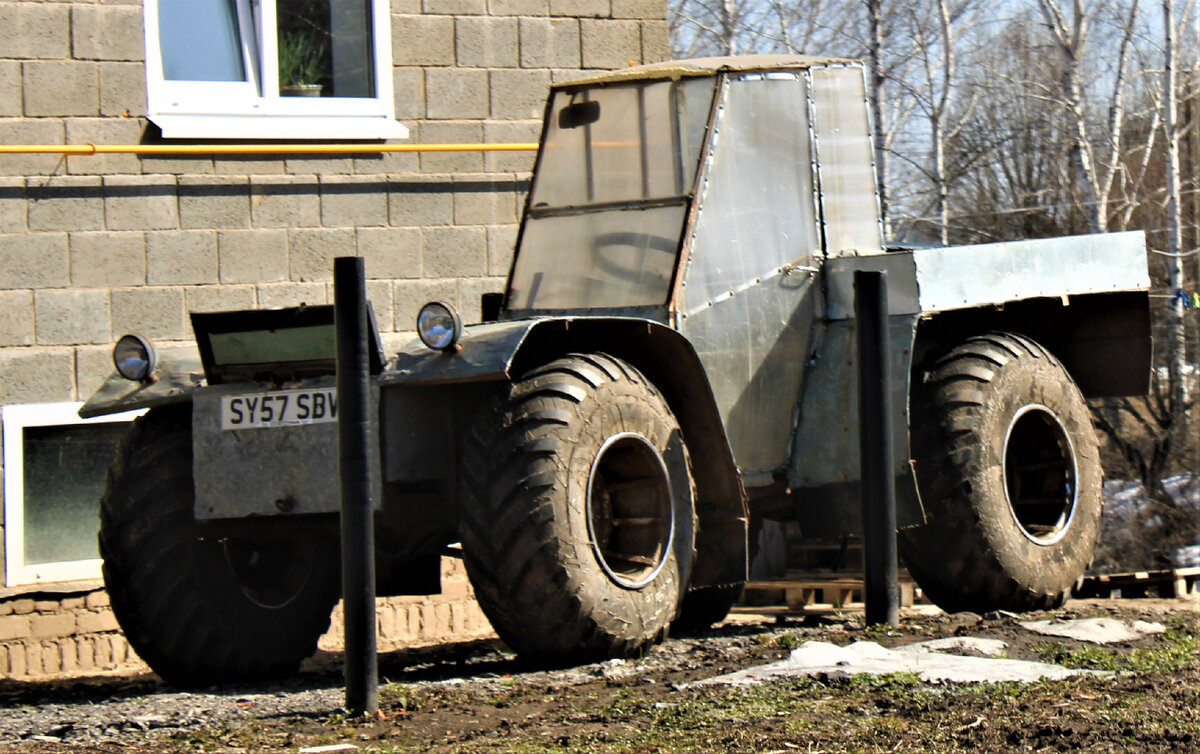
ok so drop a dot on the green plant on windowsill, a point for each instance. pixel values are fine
(302, 63)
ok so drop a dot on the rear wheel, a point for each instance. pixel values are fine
(1009, 473)
(577, 522)
(204, 610)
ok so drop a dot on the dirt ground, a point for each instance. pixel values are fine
(480, 698)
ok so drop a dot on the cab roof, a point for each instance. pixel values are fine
(675, 69)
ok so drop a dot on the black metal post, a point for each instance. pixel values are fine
(882, 592)
(358, 524)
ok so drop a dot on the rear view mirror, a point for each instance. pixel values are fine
(579, 114)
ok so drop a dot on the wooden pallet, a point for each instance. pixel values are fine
(1168, 584)
(816, 592)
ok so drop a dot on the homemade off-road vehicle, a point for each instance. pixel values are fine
(671, 361)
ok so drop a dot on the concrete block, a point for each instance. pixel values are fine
(33, 660)
(285, 201)
(291, 294)
(454, 252)
(501, 240)
(72, 317)
(68, 656)
(321, 165)
(219, 298)
(96, 600)
(483, 199)
(157, 313)
(104, 131)
(550, 43)
(141, 202)
(511, 132)
(52, 626)
(353, 201)
(122, 90)
(408, 90)
(104, 654)
(61, 87)
(656, 41)
(249, 165)
(451, 132)
(470, 292)
(106, 259)
(518, 7)
(214, 202)
(456, 93)
(519, 94)
(189, 164)
(423, 40)
(65, 202)
(93, 365)
(391, 162)
(36, 260)
(85, 654)
(13, 204)
(651, 10)
(486, 42)
(409, 296)
(421, 201)
(22, 606)
(610, 44)
(580, 8)
(455, 7)
(46, 606)
(181, 257)
(14, 627)
(252, 256)
(390, 253)
(31, 131)
(16, 660)
(71, 603)
(36, 375)
(10, 88)
(379, 295)
(16, 318)
(107, 32)
(35, 30)
(97, 622)
(311, 252)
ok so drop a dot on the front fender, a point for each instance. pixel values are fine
(179, 374)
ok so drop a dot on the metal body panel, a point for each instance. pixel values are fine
(485, 353)
(179, 374)
(960, 277)
(825, 468)
(275, 471)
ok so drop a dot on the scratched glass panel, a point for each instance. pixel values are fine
(757, 211)
(848, 191)
(64, 470)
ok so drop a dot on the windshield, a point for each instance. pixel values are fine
(610, 195)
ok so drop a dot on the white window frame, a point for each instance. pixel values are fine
(15, 419)
(254, 109)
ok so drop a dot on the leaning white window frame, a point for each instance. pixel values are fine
(16, 419)
(253, 108)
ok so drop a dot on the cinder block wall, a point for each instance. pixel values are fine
(94, 247)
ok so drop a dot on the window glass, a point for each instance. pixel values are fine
(324, 49)
(200, 40)
(849, 201)
(758, 210)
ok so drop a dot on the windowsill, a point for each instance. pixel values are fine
(258, 126)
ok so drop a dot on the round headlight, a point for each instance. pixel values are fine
(134, 357)
(438, 326)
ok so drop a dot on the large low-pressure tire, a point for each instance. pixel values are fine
(705, 607)
(1009, 473)
(198, 610)
(577, 518)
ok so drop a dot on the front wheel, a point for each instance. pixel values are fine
(1008, 470)
(577, 519)
(202, 610)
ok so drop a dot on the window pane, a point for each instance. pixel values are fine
(639, 142)
(326, 48)
(65, 468)
(200, 40)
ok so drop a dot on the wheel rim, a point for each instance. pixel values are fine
(631, 522)
(1040, 475)
(271, 572)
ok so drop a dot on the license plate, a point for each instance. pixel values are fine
(278, 408)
